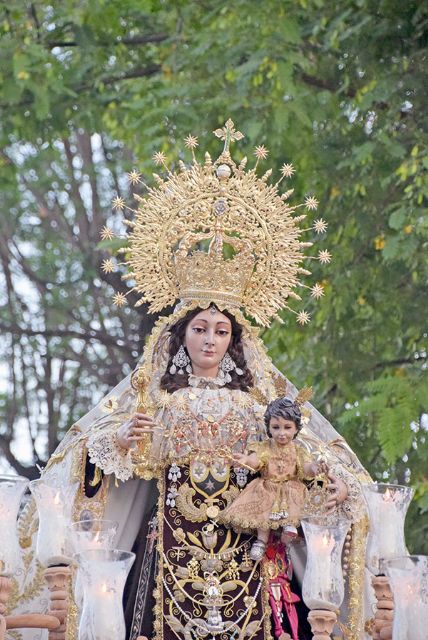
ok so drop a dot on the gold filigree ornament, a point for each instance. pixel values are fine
(216, 232)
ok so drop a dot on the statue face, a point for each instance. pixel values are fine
(282, 431)
(207, 338)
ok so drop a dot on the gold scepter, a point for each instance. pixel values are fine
(139, 382)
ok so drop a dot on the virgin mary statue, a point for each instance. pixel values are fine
(160, 454)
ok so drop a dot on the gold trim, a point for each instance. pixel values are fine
(357, 578)
(158, 592)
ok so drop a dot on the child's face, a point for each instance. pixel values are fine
(282, 431)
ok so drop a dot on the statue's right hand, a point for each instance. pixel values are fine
(134, 429)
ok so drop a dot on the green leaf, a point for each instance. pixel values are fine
(397, 218)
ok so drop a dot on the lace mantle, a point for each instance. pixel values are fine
(105, 453)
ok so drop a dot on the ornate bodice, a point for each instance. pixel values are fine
(206, 422)
(280, 464)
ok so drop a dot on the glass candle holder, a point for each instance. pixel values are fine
(323, 586)
(104, 574)
(387, 505)
(91, 534)
(12, 489)
(85, 535)
(54, 506)
(408, 577)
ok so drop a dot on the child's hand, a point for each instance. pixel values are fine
(236, 458)
(249, 461)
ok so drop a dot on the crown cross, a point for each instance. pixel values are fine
(228, 134)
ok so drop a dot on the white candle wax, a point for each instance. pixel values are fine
(387, 526)
(12, 489)
(105, 614)
(321, 548)
(52, 507)
(56, 532)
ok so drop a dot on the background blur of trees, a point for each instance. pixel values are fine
(91, 89)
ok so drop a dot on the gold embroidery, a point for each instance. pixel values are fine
(356, 578)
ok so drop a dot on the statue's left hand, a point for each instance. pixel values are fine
(339, 493)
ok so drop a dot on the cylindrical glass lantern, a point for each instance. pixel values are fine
(85, 535)
(323, 586)
(104, 574)
(92, 534)
(387, 505)
(12, 489)
(408, 578)
(54, 506)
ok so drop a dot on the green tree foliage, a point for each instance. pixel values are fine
(92, 89)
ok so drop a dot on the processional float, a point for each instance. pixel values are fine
(82, 568)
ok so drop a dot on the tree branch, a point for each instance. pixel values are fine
(30, 472)
(135, 73)
(69, 333)
(326, 85)
(131, 42)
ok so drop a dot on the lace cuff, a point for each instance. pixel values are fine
(108, 455)
(353, 508)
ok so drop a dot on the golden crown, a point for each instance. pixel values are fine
(214, 232)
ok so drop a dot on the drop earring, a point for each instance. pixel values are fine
(226, 365)
(180, 362)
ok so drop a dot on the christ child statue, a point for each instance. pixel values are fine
(276, 499)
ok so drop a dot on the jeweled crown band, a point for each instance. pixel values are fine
(210, 296)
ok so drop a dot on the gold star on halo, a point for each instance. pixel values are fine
(108, 266)
(287, 170)
(191, 141)
(320, 225)
(303, 317)
(106, 234)
(134, 177)
(261, 152)
(159, 158)
(311, 203)
(118, 203)
(119, 299)
(317, 291)
(324, 256)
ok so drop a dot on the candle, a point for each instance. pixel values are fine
(388, 532)
(54, 507)
(409, 583)
(104, 574)
(12, 489)
(387, 505)
(99, 535)
(323, 580)
(322, 547)
(85, 535)
(105, 611)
